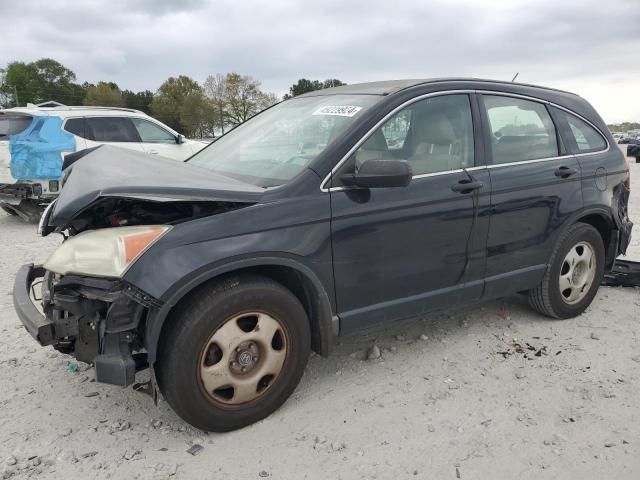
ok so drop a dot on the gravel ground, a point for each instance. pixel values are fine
(452, 395)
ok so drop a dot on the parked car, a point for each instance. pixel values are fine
(633, 149)
(222, 273)
(33, 141)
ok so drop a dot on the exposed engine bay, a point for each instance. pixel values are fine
(119, 212)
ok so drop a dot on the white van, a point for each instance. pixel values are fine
(82, 127)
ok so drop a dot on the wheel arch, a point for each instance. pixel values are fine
(296, 277)
(602, 220)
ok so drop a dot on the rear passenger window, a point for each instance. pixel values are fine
(586, 137)
(520, 129)
(111, 129)
(10, 125)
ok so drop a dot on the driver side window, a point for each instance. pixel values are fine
(433, 135)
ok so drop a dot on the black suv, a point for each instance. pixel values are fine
(323, 214)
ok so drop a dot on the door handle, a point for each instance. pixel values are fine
(153, 152)
(466, 186)
(565, 172)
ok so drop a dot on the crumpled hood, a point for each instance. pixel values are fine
(115, 172)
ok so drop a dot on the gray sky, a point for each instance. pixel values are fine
(590, 47)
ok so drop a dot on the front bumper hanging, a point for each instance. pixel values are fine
(99, 321)
(33, 320)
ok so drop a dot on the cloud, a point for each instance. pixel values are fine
(587, 47)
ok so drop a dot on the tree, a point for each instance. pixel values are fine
(106, 94)
(44, 79)
(304, 86)
(236, 98)
(624, 127)
(6, 91)
(198, 116)
(138, 100)
(214, 89)
(171, 99)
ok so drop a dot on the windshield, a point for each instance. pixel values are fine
(273, 147)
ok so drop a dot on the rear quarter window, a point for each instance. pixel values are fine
(10, 125)
(586, 138)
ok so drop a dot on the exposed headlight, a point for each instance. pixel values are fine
(104, 253)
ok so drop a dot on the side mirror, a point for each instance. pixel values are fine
(380, 174)
(180, 139)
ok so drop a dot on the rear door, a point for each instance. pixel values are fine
(112, 130)
(536, 186)
(10, 124)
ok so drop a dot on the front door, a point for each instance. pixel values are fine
(403, 251)
(158, 141)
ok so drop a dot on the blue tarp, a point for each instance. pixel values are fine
(36, 151)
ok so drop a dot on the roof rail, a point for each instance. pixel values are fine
(85, 107)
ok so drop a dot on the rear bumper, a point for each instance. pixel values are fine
(40, 328)
(37, 189)
(624, 274)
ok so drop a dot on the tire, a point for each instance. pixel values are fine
(548, 297)
(197, 341)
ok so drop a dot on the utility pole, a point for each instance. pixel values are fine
(15, 94)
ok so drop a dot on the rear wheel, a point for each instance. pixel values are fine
(233, 353)
(574, 274)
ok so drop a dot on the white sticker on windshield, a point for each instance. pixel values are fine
(339, 110)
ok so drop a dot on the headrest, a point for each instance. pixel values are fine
(433, 126)
(376, 142)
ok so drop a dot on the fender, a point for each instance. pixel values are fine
(328, 324)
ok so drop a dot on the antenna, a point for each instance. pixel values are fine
(515, 76)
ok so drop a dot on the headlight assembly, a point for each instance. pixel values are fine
(104, 253)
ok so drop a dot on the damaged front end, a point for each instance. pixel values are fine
(99, 321)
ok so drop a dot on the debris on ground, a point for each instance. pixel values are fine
(73, 367)
(526, 350)
(195, 449)
(373, 353)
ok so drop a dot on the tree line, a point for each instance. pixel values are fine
(195, 109)
(624, 126)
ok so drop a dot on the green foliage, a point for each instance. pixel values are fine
(138, 100)
(223, 101)
(44, 79)
(169, 103)
(624, 126)
(304, 86)
(105, 94)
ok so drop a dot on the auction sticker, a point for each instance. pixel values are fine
(339, 110)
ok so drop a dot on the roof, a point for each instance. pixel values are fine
(388, 87)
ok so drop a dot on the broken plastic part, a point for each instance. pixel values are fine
(624, 274)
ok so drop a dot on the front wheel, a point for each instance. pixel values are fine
(233, 353)
(574, 274)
